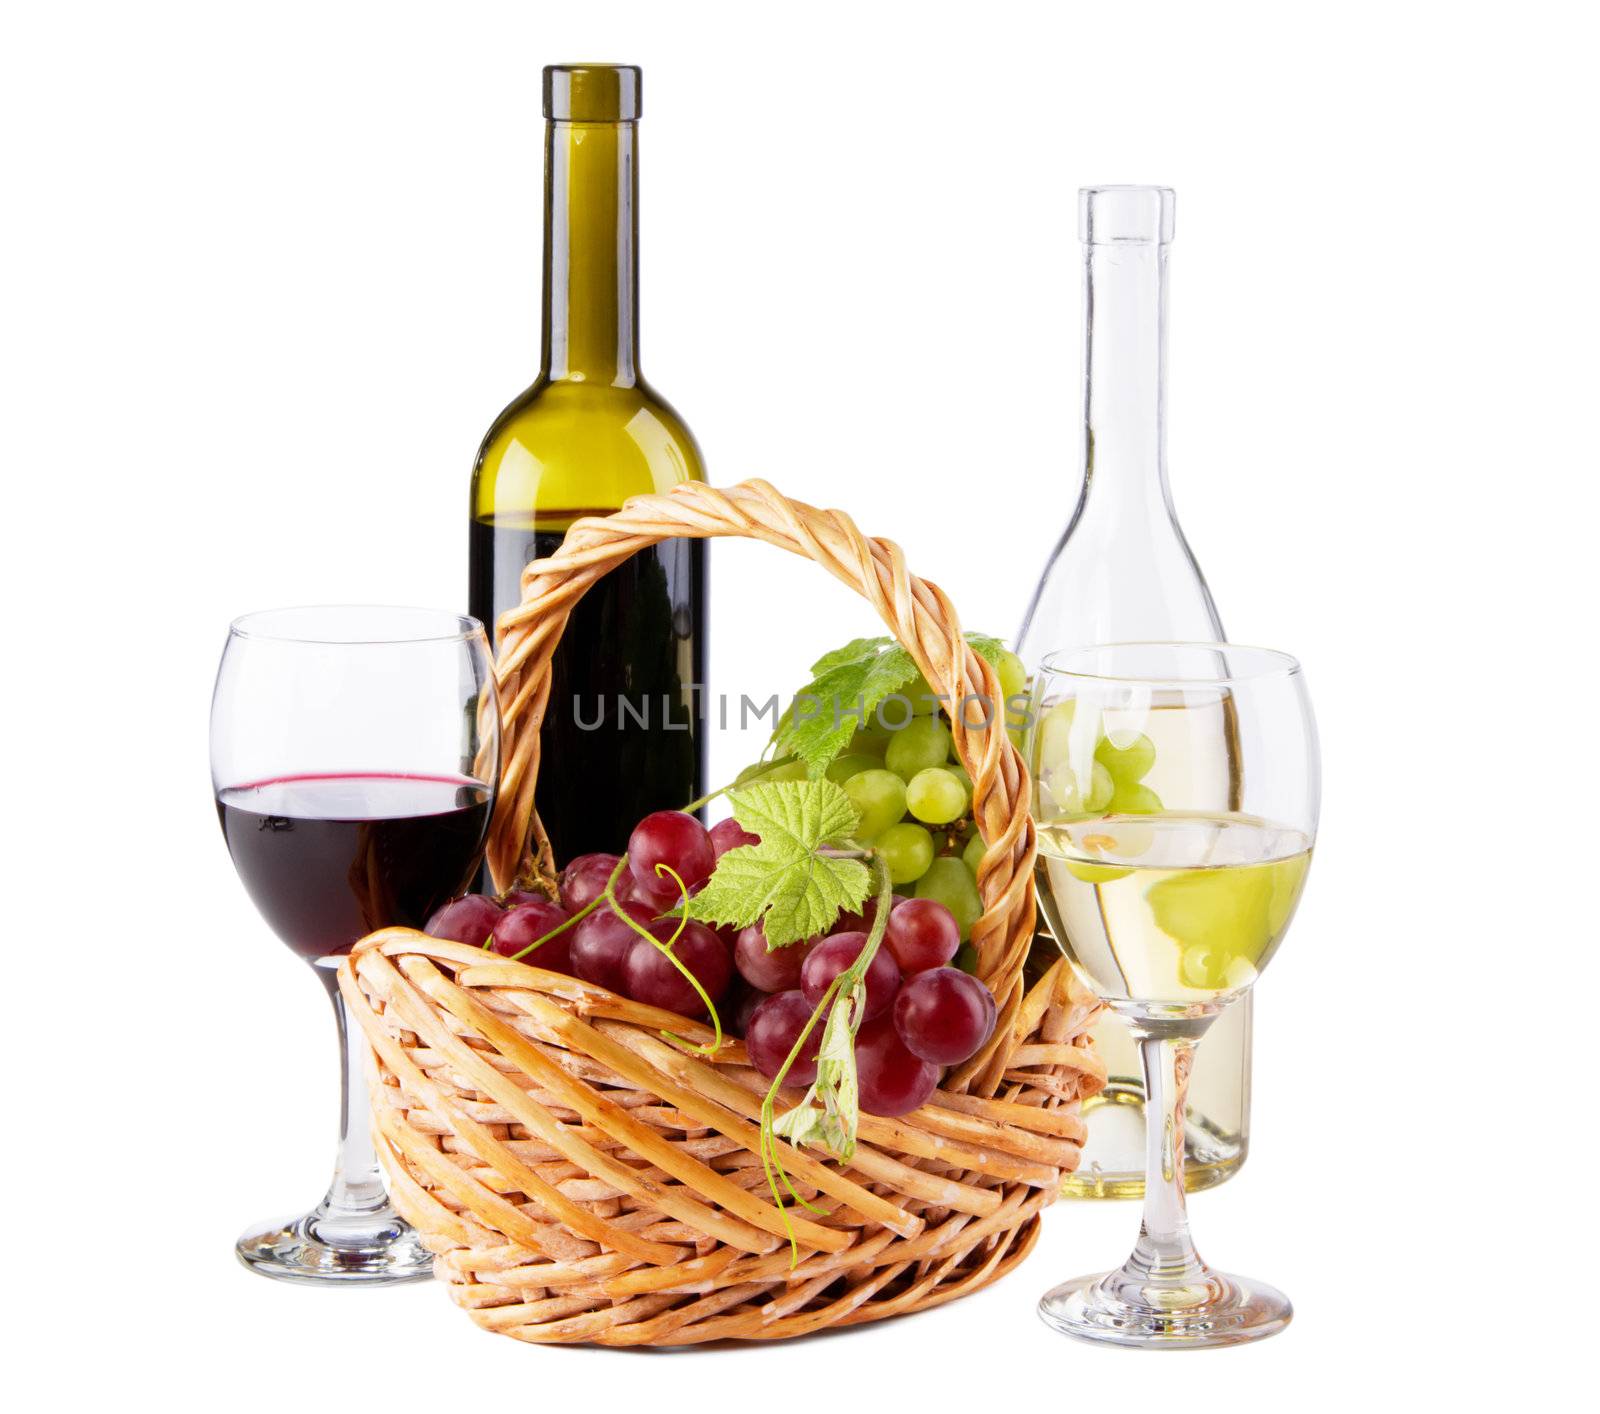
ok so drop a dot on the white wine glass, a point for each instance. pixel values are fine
(1175, 792)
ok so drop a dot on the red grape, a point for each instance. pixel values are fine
(584, 880)
(774, 971)
(528, 924)
(730, 834)
(836, 952)
(943, 1015)
(739, 1006)
(922, 933)
(862, 922)
(602, 942)
(892, 1081)
(517, 897)
(677, 841)
(772, 1032)
(469, 919)
(649, 977)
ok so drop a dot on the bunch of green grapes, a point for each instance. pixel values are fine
(1104, 776)
(915, 799)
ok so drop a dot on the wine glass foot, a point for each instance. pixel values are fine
(1220, 1310)
(304, 1250)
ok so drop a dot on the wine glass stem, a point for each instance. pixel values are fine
(355, 1210)
(1164, 1258)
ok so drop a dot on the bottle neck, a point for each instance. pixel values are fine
(591, 264)
(1125, 366)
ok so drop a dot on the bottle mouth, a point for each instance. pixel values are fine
(1123, 215)
(593, 93)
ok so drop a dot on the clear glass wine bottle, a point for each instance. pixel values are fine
(1122, 572)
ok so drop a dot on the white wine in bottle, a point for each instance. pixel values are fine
(1124, 572)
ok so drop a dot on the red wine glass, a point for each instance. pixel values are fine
(354, 755)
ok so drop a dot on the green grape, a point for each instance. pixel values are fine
(1053, 737)
(973, 853)
(895, 713)
(1101, 789)
(852, 764)
(1126, 840)
(1203, 965)
(1131, 798)
(880, 796)
(1095, 873)
(1058, 792)
(1241, 972)
(936, 795)
(789, 771)
(871, 740)
(1013, 676)
(923, 701)
(1129, 763)
(966, 958)
(1233, 913)
(924, 742)
(950, 882)
(766, 772)
(1131, 840)
(1213, 968)
(906, 851)
(956, 769)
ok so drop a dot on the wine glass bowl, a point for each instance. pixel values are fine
(1175, 794)
(354, 756)
(328, 858)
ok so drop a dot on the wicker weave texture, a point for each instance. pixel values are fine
(582, 1178)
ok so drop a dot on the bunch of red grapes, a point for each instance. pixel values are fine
(921, 1014)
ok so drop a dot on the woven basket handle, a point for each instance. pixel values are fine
(917, 613)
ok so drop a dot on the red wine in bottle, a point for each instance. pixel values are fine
(622, 732)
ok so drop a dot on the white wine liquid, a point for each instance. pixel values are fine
(1178, 908)
(1196, 762)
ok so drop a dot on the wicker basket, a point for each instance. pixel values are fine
(582, 1179)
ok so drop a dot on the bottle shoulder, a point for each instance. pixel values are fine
(671, 421)
(569, 445)
(1133, 580)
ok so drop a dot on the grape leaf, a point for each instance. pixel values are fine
(783, 882)
(857, 650)
(840, 699)
(847, 687)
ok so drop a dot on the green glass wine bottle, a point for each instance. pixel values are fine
(622, 735)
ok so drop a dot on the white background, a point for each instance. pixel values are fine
(271, 269)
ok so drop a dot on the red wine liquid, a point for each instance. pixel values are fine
(329, 858)
(622, 734)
